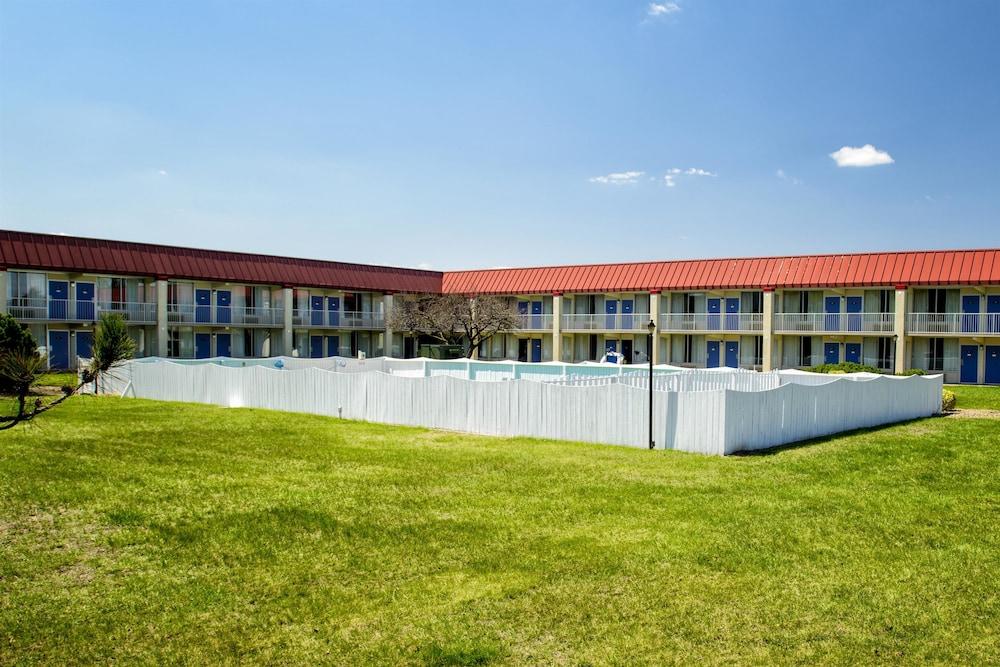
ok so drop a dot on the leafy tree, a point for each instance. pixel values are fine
(20, 368)
(454, 319)
(15, 339)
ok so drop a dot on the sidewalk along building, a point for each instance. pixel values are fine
(934, 310)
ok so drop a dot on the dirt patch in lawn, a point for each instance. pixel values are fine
(974, 414)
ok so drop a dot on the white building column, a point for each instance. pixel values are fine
(287, 307)
(557, 326)
(387, 350)
(899, 328)
(162, 339)
(3, 291)
(654, 314)
(767, 331)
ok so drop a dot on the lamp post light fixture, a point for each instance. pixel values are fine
(651, 328)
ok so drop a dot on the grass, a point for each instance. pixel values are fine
(976, 397)
(144, 532)
(58, 379)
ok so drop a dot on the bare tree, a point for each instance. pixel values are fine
(454, 319)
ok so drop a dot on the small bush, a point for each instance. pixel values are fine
(947, 400)
(843, 367)
(912, 371)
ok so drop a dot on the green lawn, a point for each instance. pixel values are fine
(976, 397)
(141, 532)
(58, 379)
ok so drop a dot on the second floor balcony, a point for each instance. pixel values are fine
(708, 322)
(337, 319)
(66, 310)
(537, 322)
(834, 323)
(605, 322)
(953, 323)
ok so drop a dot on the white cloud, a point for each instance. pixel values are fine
(162, 172)
(619, 178)
(785, 177)
(663, 8)
(865, 156)
(425, 266)
(670, 178)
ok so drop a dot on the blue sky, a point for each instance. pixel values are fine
(467, 135)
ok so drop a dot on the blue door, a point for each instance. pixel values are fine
(627, 306)
(970, 313)
(831, 306)
(85, 302)
(59, 350)
(610, 310)
(58, 301)
(315, 347)
(316, 316)
(733, 353)
(831, 353)
(333, 310)
(610, 346)
(713, 306)
(84, 344)
(223, 345)
(993, 313)
(992, 364)
(970, 363)
(203, 306)
(536, 349)
(852, 352)
(202, 345)
(712, 357)
(332, 346)
(732, 315)
(536, 314)
(854, 306)
(224, 307)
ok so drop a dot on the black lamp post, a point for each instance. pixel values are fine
(651, 327)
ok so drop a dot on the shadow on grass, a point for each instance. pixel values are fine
(771, 451)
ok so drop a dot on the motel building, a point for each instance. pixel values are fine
(938, 311)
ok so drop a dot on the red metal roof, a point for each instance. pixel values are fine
(932, 267)
(74, 254)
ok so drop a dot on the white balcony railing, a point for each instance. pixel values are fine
(953, 323)
(529, 322)
(712, 322)
(337, 319)
(66, 310)
(834, 322)
(250, 316)
(605, 322)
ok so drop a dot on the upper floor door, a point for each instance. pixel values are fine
(58, 299)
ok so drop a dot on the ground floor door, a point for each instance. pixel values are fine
(712, 354)
(627, 350)
(315, 347)
(224, 345)
(536, 350)
(408, 348)
(732, 354)
(610, 346)
(992, 364)
(969, 371)
(522, 349)
(84, 344)
(59, 350)
(202, 345)
(333, 346)
(852, 351)
(831, 352)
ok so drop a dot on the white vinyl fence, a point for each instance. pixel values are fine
(717, 421)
